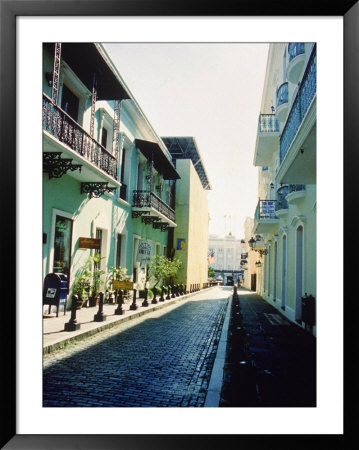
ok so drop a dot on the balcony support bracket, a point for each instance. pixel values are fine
(96, 189)
(56, 166)
(136, 214)
(150, 219)
(160, 225)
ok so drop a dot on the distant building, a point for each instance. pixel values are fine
(229, 254)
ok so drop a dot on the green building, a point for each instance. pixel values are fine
(108, 179)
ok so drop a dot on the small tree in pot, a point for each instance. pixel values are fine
(96, 281)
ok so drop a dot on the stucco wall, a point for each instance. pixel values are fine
(192, 224)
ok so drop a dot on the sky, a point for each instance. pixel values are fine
(211, 91)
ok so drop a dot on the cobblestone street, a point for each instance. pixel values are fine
(162, 360)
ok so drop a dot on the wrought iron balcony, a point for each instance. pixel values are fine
(148, 199)
(295, 49)
(283, 191)
(265, 210)
(67, 131)
(305, 95)
(282, 94)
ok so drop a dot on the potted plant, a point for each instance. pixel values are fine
(114, 273)
(81, 285)
(96, 281)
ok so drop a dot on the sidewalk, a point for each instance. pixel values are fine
(55, 337)
(270, 361)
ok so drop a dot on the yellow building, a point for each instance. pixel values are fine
(190, 237)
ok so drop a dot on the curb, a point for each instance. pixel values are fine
(121, 319)
(216, 380)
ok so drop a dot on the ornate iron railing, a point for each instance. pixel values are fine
(265, 210)
(58, 123)
(282, 94)
(295, 49)
(268, 123)
(283, 191)
(148, 199)
(305, 95)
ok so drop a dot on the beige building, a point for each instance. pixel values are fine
(190, 237)
(284, 231)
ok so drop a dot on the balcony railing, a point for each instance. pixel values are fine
(282, 94)
(265, 210)
(283, 191)
(65, 129)
(295, 49)
(268, 123)
(306, 92)
(148, 199)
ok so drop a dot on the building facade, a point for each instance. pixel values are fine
(230, 257)
(190, 236)
(109, 180)
(284, 230)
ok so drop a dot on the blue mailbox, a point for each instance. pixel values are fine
(55, 291)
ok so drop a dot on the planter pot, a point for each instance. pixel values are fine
(93, 301)
(78, 302)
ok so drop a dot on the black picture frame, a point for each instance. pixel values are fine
(9, 10)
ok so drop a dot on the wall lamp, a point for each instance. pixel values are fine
(251, 242)
(258, 264)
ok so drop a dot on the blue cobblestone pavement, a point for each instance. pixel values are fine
(164, 360)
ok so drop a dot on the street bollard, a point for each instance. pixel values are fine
(133, 306)
(173, 292)
(177, 290)
(154, 300)
(72, 324)
(145, 302)
(168, 296)
(99, 316)
(111, 298)
(162, 299)
(119, 310)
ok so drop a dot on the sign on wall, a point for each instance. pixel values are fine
(268, 207)
(85, 242)
(181, 244)
(144, 252)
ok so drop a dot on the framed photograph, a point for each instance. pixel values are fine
(24, 27)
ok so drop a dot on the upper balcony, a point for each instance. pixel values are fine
(267, 139)
(152, 210)
(286, 194)
(296, 61)
(297, 145)
(265, 219)
(282, 102)
(65, 140)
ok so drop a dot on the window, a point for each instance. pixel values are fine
(99, 236)
(118, 250)
(62, 245)
(70, 102)
(104, 137)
